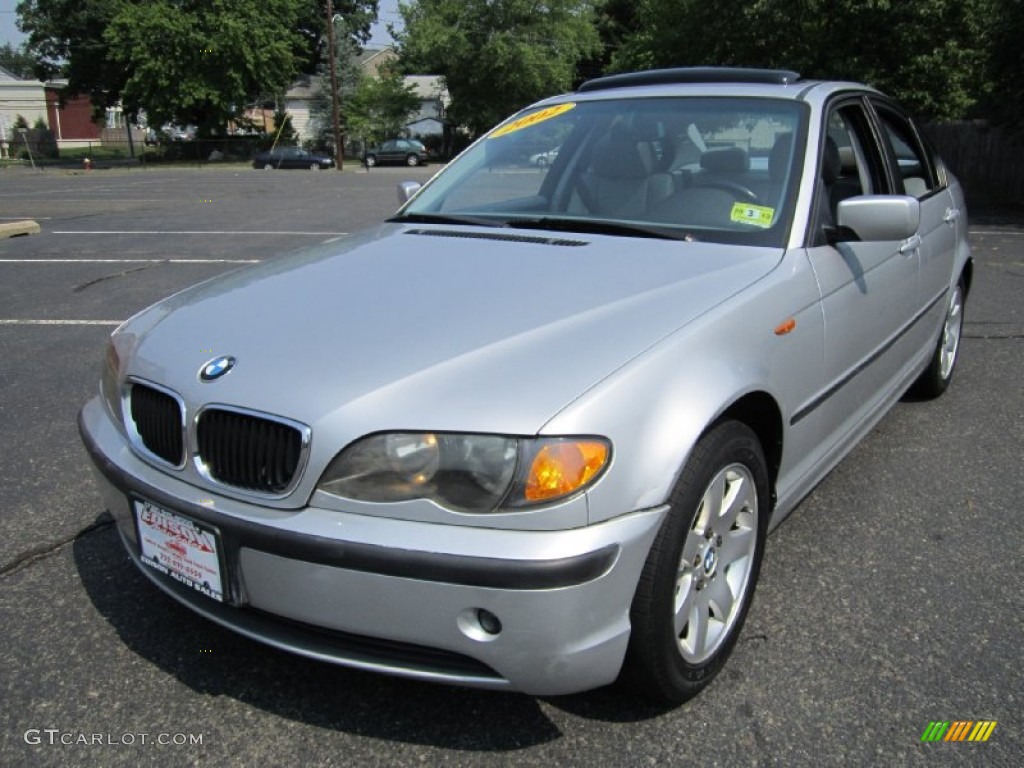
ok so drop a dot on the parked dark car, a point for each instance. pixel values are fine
(396, 152)
(291, 157)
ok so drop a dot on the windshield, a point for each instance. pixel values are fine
(715, 169)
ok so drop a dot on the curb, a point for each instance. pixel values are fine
(18, 228)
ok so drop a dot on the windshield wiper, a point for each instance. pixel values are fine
(597, 227)
(445, 218)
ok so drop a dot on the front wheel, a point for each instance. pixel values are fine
(268, 166)
(699, 578)
(412, 161)
(314, 166)
(936, 377)
(370, 161)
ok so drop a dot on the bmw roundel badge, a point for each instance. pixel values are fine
(216, 368)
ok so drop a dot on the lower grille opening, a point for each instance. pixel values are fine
(390, 653)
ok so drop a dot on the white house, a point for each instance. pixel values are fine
(430, 88)
(20, 97)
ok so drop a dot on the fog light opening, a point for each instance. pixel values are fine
(489, 623)
(479, 624)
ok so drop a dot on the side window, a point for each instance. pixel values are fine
(914, 166)
(851, 163)
(387, 146)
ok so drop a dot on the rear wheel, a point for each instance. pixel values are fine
(268, 166)
(699, 578)
(936, 377)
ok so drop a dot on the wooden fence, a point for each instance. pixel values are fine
(988, 161)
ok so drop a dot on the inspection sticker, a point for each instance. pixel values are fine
(532, 119)
(758, 215)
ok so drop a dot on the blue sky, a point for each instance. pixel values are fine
(9, 30)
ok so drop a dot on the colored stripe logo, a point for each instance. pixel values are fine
(958, 730)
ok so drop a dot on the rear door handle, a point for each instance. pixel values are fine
(952, 214)
(911, 245)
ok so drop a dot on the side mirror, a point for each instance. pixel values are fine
(406, 189)
(879, 217)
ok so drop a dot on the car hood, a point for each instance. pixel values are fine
(434, 328)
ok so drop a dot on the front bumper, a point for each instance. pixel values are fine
(397, 596)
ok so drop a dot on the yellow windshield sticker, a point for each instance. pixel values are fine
(758, 215)
(532, 119)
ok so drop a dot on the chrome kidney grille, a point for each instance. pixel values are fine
(253, 452)
(248, 451)
(159, 423)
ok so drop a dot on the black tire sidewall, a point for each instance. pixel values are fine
(654, 658)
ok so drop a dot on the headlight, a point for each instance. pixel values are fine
(119, 348)
(110, 383)
(465, 473)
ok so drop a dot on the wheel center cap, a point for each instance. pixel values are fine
(710, 561)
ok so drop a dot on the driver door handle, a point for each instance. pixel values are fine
(952, 214)
(909, 248)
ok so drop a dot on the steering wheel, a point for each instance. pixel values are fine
(746, 193)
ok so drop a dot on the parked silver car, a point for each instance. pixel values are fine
(531, 432)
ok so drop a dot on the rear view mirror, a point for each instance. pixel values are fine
(879, 217)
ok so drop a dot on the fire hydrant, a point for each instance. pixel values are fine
(87, 164)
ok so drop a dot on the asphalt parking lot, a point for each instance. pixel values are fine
(891, 598)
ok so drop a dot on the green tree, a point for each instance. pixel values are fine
(284, 131)
(1006, 66)
(497, 55)
(65, 37)
(199, 63)
(930, 54)
(17, 60)
(349, 76)
(381, 107)
(185, 61)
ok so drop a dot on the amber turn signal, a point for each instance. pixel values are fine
(561, 468)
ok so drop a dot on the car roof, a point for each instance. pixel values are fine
(709, 81)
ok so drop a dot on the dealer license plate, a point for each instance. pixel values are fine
(181, 548)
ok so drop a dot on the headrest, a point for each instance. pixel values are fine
(779, 157)
(831, 165)
(847, 159)
(645, 129)
(619, 157)
(727, 160)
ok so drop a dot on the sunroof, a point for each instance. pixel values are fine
(692, 75)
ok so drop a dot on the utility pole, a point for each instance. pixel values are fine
(339, 150)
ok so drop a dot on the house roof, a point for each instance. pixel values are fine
(303, 89)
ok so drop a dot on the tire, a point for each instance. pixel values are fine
(412, 161)
(936, 377)
(268, 166)
(689, 575)
(314, 166)
(542, 162)
(370, 161)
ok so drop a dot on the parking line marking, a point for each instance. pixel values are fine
(60, 322)
(995, 232)
(130, 261)
(184, 232)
